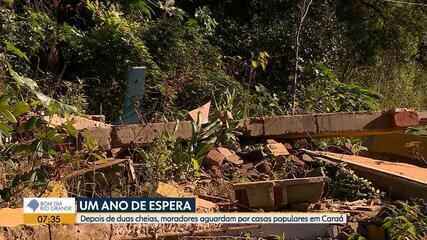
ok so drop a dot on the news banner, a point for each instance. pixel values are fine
(155, 211)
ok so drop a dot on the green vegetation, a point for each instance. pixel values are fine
(354, 55)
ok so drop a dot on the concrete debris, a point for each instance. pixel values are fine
(217, 156)
(99, 118)
(403, 145)
(277, 194)
(307, 158)
(214, 158)
(297, 161)
(170, 190)
(297, 126)
(230, 156)
(399, 180)
(95, 167)
(125, 135)
(331, 124)
(102, 136)
(201, 114)
(403, 117)
(78, 122)
(276, 149)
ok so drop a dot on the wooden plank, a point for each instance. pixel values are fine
(400, 180)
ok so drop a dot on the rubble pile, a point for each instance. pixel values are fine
(268, 173)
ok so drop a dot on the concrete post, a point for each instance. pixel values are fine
(134, 95)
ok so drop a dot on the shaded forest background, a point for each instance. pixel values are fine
(353, 54)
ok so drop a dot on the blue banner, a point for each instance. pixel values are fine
(133, 204)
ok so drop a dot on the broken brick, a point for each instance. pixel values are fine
(307, 158)
(230, 156)
(297, 161)
(214, 158)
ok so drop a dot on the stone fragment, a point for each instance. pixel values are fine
(230, 155)
(201, 114)
(277, 149)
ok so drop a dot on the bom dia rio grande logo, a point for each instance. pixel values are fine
(33, 204)
(49, 205)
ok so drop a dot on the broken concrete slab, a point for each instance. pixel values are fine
(255, 194)
(78, 122)
(331, 124)
(404, 145)
(290, 125)
(102, 136)
(252, 127)
(124, 135)
(403, 117)
(214, 158)
(217, 156)
(201, 114)
(309, 125)
(171, 190)
(400, 180)
(300, 190)
(277, 194)
(230, 156)
(277, 149)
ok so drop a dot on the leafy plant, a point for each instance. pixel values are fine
(346, 185)
(328, 94)
(406, 221)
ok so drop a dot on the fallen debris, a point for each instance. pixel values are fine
(297, 126)
(214, 158)
(230, 156)
(277, 194)
(201, 114)
(78, 122)
(125, 135)
(331, 124)
(400, 180)
(169, 190)
(95, 167)
(404, 145)
(277, 149)
(217, 156)
(403, 117)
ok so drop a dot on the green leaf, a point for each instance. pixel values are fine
(10, 47)
(196, 165)
(8, 115)
(21, 108)
(23, 81)
(32, 123)
(5, 130)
